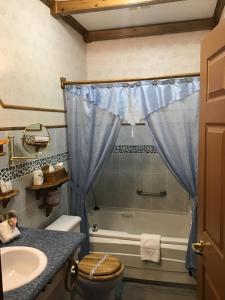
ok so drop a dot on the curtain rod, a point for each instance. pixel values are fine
(64, 82)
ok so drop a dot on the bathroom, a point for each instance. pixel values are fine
(38, 48)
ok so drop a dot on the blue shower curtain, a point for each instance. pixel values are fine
(94, 114)
(92, 134)
(175, 131)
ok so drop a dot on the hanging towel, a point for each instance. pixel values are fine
(53, 198)
(150, 247)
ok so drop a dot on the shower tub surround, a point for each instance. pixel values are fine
(119, 234)
(124, 215)
(136, 165)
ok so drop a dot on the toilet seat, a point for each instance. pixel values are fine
(100, 267)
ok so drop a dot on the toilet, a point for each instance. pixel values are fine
(99, 274)
(66, 223)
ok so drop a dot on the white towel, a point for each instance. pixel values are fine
(8, 232)
(150, 247)
(41, 139)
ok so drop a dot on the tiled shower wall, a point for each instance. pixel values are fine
(128, 171)
(26, 206)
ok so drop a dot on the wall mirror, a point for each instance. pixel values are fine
(36, 138)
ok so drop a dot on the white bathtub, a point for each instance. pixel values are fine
(119, 234)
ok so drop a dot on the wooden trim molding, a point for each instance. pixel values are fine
(219, 10)
(65, 82)
(49, 3)
(20, 107)
(147, 30)
(74, 24)
(23, 127)
(65, 8)
(67, 19)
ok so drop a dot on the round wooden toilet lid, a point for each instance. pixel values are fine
(108, 266)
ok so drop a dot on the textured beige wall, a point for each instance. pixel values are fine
(145, 56)
(35, 50)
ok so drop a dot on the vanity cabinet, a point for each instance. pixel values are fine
(58, 287)
(55, 289)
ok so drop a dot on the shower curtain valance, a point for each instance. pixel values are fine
(132, 102)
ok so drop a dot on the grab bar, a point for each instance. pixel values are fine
(160, 194)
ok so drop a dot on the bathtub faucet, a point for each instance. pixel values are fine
(95, 228)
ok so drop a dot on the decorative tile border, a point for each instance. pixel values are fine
(23, 169)
(135, 149)
(17, 171)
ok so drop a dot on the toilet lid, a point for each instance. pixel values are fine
(98, 265)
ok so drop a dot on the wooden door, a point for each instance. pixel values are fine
(211, 211)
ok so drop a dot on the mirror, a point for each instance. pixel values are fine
(36, 138)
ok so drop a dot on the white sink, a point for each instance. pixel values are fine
(21, 265)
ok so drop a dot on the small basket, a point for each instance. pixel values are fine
(52, 177)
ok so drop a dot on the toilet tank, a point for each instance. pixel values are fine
(66, 223)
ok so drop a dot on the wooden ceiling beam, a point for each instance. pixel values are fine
(139, 31)
(67, 19)
(219, 10)
(147, 30)
(75, 24)
(49, 3)
(65, 8)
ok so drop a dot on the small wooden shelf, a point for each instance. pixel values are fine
(43, 190)
(5, 198)
(48, 185)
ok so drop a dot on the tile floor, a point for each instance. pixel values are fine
(141, 291)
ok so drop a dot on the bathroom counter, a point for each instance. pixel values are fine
(57, 245)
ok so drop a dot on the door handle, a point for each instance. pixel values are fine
(198, 247)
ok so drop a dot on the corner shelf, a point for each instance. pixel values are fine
(43, 190)
(5, 198)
